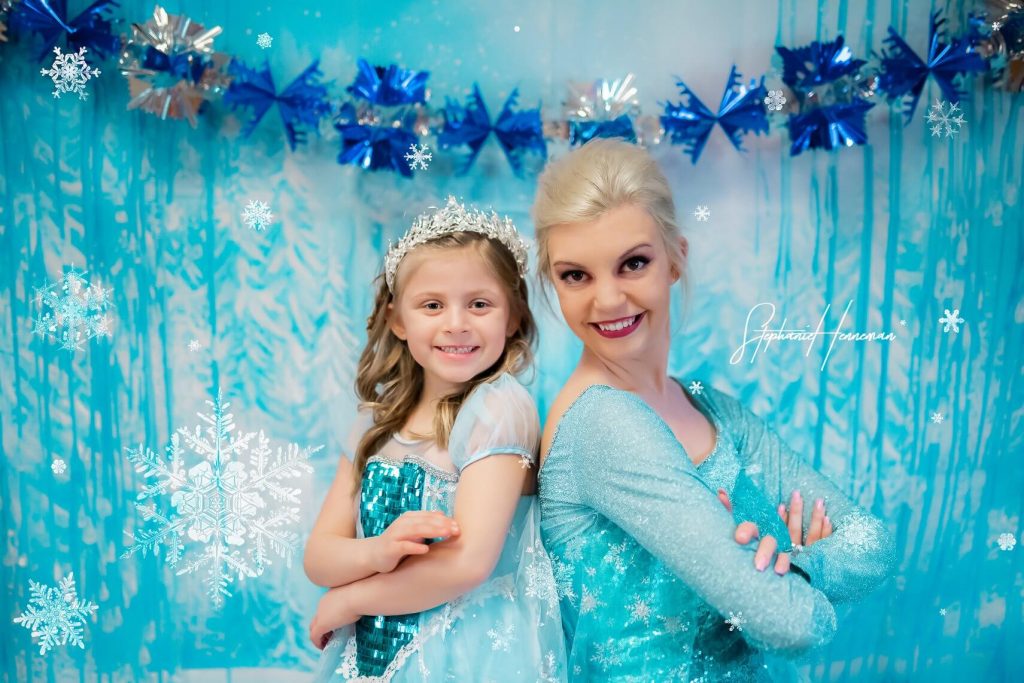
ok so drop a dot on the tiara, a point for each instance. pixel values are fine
(454, 217)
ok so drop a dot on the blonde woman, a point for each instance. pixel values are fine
(654, 587)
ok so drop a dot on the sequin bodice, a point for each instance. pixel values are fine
(391, 487)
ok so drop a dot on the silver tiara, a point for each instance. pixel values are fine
(454, 217)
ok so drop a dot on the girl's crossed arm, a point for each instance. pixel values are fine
(335, 557)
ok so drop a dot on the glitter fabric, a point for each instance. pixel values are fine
(662, 590)
(506, 629)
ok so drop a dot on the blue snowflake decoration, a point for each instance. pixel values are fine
(221, 503)
(518, 132)
(741, 111)
(903, 73)
(378, 129)
(826, 80)
(49, 19)
(55, 614)
(302, 104)
(76, 310)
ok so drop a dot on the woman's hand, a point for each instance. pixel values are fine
(332, 612)
(407, 536)
(747, 531)
(821, 526)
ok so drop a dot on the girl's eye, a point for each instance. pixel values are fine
(432, 306)
(572, 276)
(479, 304)
(636, 263)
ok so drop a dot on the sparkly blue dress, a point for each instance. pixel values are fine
(653, 585)
(506, 629)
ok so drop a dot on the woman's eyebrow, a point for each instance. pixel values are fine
(624, 255)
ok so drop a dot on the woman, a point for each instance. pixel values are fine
(652, 585)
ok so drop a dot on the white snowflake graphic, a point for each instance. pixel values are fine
(605, 655)
(1006, 541)
(696, 388)
(945, 119)
(903, 323)
(702, 213)
(77, 310)
(639, 611)
(937, 418)
(257, 215)
(419, 156)
(590, 601)
(736, 621)
(264, 40)
(859, 532)
(775, 100)
(56, 614)
(194, 345)
(502, 640)
(70, 73)
(951, 320)
(58, 466)
(221, 502)
(942, 611)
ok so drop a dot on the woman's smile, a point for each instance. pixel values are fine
(620, 327)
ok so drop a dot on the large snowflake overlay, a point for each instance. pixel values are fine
(945, 119)
(70, 73)
(56, 614)
(77, 310)
(221, 502)
(257, 215)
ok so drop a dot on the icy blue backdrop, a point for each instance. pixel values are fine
(905, 227)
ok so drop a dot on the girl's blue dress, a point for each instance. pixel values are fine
(654, 587)
(506, 629)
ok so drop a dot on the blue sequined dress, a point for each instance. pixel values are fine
(506, 629)
(654, 587)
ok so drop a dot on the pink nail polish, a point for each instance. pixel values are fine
(819, 504)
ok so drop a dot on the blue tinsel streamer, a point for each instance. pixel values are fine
(389, 86)
(91, 29)
(582, 131)
(375, 148)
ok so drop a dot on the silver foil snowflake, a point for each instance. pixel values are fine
(70, 73)
(775, 100)
(257, 215)
(221, 503)
(76, 310)
(55, 614)
(946, 119)
(419, 156)
(264, 40)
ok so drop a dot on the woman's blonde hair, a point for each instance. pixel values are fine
(389, 380)
(591, 180)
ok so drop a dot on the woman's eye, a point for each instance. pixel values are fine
(636, 263)
(573, 276)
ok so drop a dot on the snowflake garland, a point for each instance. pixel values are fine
(946, 119)
(77, 310)
(56, 614)
(70, 73)
(257, 215)
(419, 157)
(221, 503)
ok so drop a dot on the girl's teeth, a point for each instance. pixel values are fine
(457, 349)
(618, 326)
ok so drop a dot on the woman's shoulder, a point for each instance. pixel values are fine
(587, 394)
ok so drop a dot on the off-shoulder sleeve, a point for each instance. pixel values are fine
(631, 469)
(497, 418)
(859, 554)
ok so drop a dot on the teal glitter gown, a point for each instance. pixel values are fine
(506, 629)
(653, 585)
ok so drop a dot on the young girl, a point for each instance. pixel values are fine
(430, 537)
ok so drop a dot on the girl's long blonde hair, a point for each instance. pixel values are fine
(389, 380)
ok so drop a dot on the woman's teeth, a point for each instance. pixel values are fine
(612, 327)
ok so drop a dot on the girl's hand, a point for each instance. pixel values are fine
(332, 612)
(747, 531)
(407, 536)
(821, 526)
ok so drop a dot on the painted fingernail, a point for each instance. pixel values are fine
(796, 494)
(827, 521)
(761, 564)
(819, 504)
